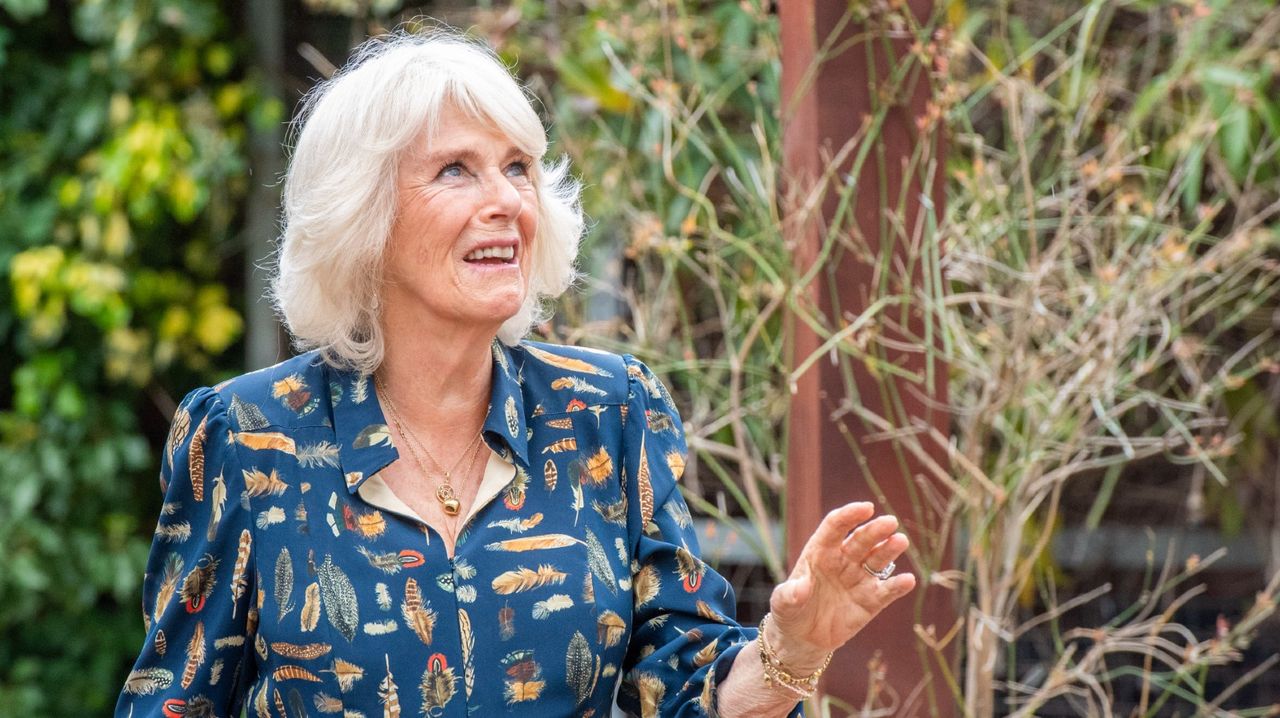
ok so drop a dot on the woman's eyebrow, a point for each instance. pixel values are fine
(469, 155)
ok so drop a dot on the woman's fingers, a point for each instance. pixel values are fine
(837, 524)
(886, 552)
(867, 536)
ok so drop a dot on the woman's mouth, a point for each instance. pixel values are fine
(492, 255)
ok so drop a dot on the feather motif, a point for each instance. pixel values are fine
(524, 579)
(578, 385)
(228, 642)
(598, 561)
(517, 525)
(360, 389)
(533, 543)
(557, 602)
(161, 643)
(284, 583)
(609, 629)
(146, 681)
(279, 702)
(372, 435)
(239, 584)
(260, 706)
(270, 517)
(346, 672)
(468, 641)
(248, 416)
(513, 419)
(506, 622)
(563, 422)
(259, 484)
(381, 628)
(195, 655)
(199, 583)
(679, 512)
(549, 475)
(311, 608)
(588, 588)
(706, 611)
(707, 654)
(438, 684)
(215, 672)
(219, 500)
(386, 562)
(388, 693)
(524, 677)
(297, 708)
(326, 703)
(599, 467)
(560, 446)
(383, 596)
(675, 462)
(178, 431)
(578, 501)
(300, 651)
(652, 690)
(689, 569)
(312, 456)
(421, 618)
(645, 486)
(614, 513)
(339, 598)
(515, 491)
(174, 533)
(577, 667)
(566, 363)
(267, 441)
(294, 673)
(646, 585)
(195, 461)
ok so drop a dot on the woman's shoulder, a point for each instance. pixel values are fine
(287, 394)
(598, 374)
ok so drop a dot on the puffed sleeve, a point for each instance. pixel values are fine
(198, 590)
(685, 638)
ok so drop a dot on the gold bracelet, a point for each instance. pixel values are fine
(775, 672)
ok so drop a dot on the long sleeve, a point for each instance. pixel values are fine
(199, 588)
(685, 637)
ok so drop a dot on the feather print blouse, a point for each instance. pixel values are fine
(274, 587)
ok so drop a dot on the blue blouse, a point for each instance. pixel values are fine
(273, 583)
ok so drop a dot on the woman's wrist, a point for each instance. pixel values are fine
(798, 657)
(795, 673)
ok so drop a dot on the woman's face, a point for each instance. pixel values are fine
(466, 219)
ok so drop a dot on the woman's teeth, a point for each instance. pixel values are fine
(505, 254)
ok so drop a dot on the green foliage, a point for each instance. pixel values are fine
(121, 166)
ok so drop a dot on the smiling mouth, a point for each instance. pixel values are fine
(492, 255)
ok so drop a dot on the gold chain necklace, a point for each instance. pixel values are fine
(444, 492)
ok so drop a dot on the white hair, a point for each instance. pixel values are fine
(340, 191)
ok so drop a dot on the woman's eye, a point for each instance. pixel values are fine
(518, 169)
(453, 169)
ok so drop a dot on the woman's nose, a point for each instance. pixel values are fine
(502, 197)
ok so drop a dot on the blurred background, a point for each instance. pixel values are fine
(1090, 296)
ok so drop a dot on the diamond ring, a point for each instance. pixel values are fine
(883, 574)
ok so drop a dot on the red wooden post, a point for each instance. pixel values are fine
(823, 108)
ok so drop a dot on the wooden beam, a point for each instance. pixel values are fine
(834, 457)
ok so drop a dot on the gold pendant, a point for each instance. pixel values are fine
(445, 496)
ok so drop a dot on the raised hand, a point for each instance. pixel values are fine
(830, 596)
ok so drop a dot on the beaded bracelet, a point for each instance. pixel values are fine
(775, 672)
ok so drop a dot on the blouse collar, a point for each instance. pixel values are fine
(365, 446)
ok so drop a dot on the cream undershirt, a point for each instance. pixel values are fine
(498, 472)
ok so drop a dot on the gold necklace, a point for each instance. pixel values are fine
(444, 492)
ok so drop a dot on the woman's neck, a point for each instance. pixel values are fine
(439, 380)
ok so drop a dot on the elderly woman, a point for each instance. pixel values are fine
(426, 514)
